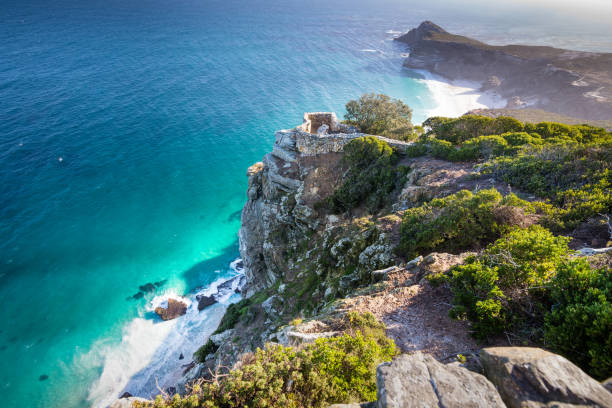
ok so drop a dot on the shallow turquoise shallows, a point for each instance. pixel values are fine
(126, 128)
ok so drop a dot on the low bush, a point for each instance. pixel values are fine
(370, 175)
(460, 221)
(233, 314)
(576, 180)
(481, 147)
(458, 130)
(201, 353)
(580, 323)
(496, 290)
(330, 370)
(527, 285)
(461, 129)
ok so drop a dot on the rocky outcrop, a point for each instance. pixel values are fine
(516, 377)
(174, 309)
(532, 377)
(283, 189)
(205, 301)
(418, 380)
(574, 83)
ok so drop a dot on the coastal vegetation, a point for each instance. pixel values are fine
(514, 277)
(527, 285)
(461, 221)
(567, 166)
(370, 177)
(524, 283)
(378, 114)
(330, 370)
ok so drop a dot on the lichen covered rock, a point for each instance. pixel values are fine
(532, 377)
(418, 380)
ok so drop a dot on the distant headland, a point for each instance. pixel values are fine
(573, 83)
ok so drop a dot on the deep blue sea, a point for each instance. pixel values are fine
(126, 127)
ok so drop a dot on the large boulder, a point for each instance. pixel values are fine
(419, 380)
(175, 309)
(532, 377)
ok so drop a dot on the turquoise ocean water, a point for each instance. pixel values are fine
(126, 128)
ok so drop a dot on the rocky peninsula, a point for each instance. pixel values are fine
(572, 83)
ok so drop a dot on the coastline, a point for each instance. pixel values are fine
(130, 367)
(455, 98)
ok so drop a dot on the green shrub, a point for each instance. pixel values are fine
(370, 176)
(551, 130)
(580, 323)
(331, 370)
(233, 314)
(576, 180)
(522, 138)
(504, 288)
(201, 353)
(458, 130)
(459, 221)
(467, 127)
(481, 147)
(381, 115)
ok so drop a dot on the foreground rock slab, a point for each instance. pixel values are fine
(419, 380)
(175, 309)
(532, 377)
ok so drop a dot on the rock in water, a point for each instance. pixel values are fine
(43, 377)
(175, 309)
(125, 395)
(205, 301)
(419, 380)
(149, 287)
(181, 356)
(532, 377)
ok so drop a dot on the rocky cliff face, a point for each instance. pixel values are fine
(568, 82)
(283, 189)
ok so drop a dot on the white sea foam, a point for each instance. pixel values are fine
(149, 350)
(368, 50)
(393, 32)
(458, 97)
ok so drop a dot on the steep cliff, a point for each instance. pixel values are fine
(279, 216)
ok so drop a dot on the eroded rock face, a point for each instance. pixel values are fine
(532, 377)
(283, 189)
(418, 380)
(175, 309)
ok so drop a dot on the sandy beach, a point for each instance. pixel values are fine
(454, 98)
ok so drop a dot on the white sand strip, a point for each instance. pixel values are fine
(454, 98)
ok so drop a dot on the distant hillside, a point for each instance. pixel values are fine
(574, 83)
(539, 115)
